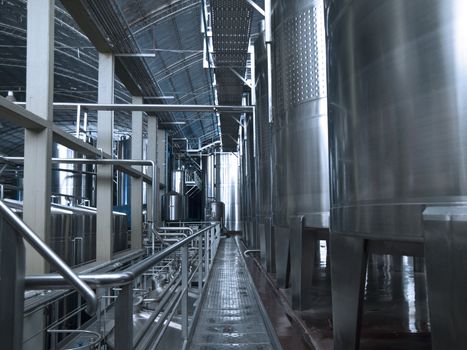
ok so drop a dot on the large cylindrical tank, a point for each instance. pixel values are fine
(227, 188)
(73, 231)
(173, 207)
(71, 183)
(397, 113)
(264, 131)
(300, 118)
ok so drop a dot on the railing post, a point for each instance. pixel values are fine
(206, 254)
(184, 302)
(12, 260)
(211, 246)
(200, 265)
(124, 319)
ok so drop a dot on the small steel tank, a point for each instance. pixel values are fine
(217, 211)
(397, 117)
(173, 207)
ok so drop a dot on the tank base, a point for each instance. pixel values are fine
(444, 247)
(267, 245)
(304, 246)
(446, 271)
(282, 242)
(348, 268)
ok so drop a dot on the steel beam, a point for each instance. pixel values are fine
(19, 116)
(78, 11)
(38, 142)
(105, 123)
(137, 184)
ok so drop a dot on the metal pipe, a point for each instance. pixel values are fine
(80, 331)
(78, 120)
(173, 228)
(250, 251)
(268, 40)
(151, 107)
(112, 162)
(204, 147)
(54, 281)
(196, 150)
(49, 255)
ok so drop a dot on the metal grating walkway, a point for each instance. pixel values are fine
(230, 317)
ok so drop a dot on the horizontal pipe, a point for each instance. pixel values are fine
(251, 251)
(111, 162)
(114, 279)
(128, 107)
(66, 274)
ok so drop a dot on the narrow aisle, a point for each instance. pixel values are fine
(230, 317)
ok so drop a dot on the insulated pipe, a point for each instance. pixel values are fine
(111, 162)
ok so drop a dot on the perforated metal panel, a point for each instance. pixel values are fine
(305, 56)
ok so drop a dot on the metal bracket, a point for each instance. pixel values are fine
(246, 82)
(256, 7)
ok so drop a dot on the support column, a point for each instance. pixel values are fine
(348, 268)
(302, 257)
(282, 256)
(105, 122)
(152, 155)
(38, 144)
(137, 183)
(446, 270)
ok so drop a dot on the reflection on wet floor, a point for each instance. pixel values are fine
(395, 315)
(230, 317)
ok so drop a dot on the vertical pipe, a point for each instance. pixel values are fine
(268, 39)
(152, 155)
(184, 302)
(206, 254)
(137, 183)
(200, 266)
(78, 119)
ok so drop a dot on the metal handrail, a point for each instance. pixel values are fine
(98, 336)
(49, 255)
(114, 279)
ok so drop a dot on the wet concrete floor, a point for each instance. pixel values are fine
(395, 314)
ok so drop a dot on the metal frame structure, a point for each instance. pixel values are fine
(207, 241)
(13, 275)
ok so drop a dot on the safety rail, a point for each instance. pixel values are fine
(12, 266)
(193, 256)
